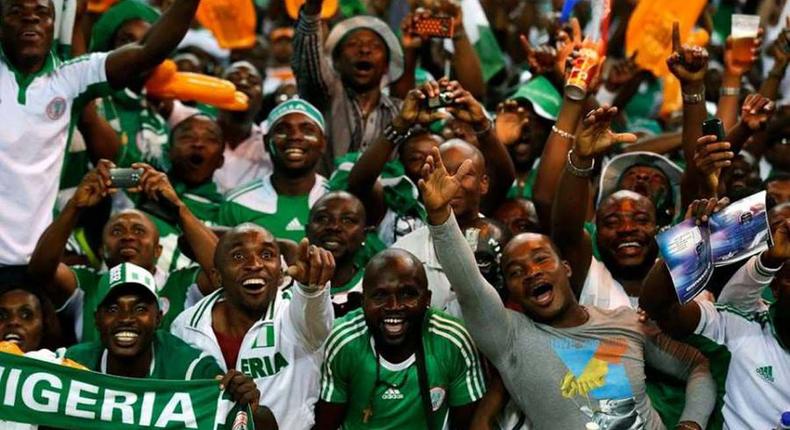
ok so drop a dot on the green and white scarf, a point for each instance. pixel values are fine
(38, 392)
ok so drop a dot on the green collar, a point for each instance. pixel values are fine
(207, 190)
(24, 80)
(772, 319)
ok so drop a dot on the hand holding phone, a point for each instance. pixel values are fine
(433, 26)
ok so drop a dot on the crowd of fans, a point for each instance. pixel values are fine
(401, 230)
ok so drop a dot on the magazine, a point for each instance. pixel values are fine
(738, 231)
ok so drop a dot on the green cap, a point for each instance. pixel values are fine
(126, 274)
(545, 99)
(123, 11)
(296, 105)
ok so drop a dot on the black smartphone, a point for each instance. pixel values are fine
(125, 178)
(714, 127)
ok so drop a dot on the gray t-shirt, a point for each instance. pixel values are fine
(566, 378)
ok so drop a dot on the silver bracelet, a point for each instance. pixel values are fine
(694, 98)
(576, 171)
(729, 91)
(561, 133)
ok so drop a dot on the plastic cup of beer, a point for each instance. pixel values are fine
(744, 31)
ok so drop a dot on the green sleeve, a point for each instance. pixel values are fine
(335, 378)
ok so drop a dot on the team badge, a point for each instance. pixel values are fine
(56, 108)
(437, 398)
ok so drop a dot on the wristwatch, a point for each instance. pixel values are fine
(395, 136)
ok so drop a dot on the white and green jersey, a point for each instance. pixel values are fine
(393, 400)
(37, 111)
(258, 202)
(756, 391)
(282, 351)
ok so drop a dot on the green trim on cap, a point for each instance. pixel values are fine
(296, 106)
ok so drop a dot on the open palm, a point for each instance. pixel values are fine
(596, 137)
(437, 186)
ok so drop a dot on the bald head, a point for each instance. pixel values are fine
(394, 261)
(457, 148)
(341, 196)
(617, 198)
(524, 241)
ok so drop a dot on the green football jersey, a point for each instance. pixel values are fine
(284, 216)
(393, 400)
(172, 298)
(173, 359)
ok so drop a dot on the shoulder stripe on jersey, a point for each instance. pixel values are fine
(342, 330)
(351, 333)
(449, 328)
(733, 310)
(193, 364)
(474, 382)
(244, 189)
(198, 315)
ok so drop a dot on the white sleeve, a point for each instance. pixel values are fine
(83, 76)
(310, 315)
(722, 324)
(744, 289)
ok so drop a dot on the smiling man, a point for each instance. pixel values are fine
(40, 97)
(590, 362)
(264, 324)
(128, 237)
(396, 363)
(363, 55)
(337, 224)
(281, 202)
(130, 345)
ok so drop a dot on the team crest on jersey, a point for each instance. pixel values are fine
(437, 397)
(56, 108)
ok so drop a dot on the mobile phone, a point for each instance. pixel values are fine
(442, 100)
(434, 26)
(125, 177)
(713, 127)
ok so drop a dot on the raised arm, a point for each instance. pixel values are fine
(744, 289)
(128, 63)
(486, 317)
(574, 194)
(500, 168)
(466, 64)
(101, 140)
(314, 75)
(727, 109)
(156, 186)
(364, 175)
(45, 264)
(689, 64)
(311, 313)
(780, 50)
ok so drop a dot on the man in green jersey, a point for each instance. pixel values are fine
(128, 236)
(281, 202)
(396, 363)
(130, 345)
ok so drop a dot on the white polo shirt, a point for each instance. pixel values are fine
(282, 351)
(756, 391)
(37, 111)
